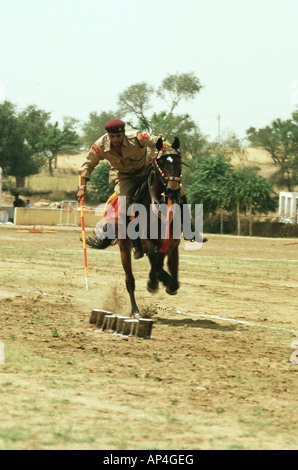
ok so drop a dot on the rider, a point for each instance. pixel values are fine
(127, 152)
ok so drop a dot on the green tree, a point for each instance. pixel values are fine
(220, 187)
(250, 193)
(177, 87)
(280, 140)
(59, 140)
(99, 187)
(210, 183)
(17, 155)
(93, 129)
(210, 173)
(182, 126)
(135, 101)
(34, 123)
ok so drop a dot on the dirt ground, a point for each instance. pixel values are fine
(215, 374)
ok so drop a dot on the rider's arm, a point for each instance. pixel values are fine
(92, 160)
(147, 140)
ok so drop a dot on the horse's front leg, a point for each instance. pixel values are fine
(173, 262)
(157, 273)
(152, 283)
(125, 253)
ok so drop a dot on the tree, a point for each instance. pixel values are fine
(34, 124)
(210, 183)
(171, 126)
(135, 101)
(100, 189)
(94, 127)
(17, 155)
(57, 140)
(218, 186)
(250, 193)
(280, 140)
(210, 177)
(174, 88)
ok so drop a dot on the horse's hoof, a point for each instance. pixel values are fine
(171, 292)
(138, 254)
(136, 315)
(152, 288)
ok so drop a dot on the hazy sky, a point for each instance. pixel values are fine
(72, 57)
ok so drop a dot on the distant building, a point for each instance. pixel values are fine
(288, 207)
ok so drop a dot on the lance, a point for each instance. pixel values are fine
(83, 235)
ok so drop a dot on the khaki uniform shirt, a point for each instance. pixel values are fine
(134, 154)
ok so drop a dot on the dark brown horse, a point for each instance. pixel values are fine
(160, 187)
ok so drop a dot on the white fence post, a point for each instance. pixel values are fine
(67, 209)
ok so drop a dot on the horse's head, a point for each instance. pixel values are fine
(167, 162)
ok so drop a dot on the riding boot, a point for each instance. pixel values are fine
(138, 249)
(187, 213)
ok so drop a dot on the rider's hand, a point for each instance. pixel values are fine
(81, 193)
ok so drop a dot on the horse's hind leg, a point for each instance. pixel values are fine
(125, 253)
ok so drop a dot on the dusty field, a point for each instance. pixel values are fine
(200, 382)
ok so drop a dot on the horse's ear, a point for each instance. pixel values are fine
(159, 144)
(176, 144)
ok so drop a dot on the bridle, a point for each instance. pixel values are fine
(173, 194)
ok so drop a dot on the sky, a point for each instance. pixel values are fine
(74, 57)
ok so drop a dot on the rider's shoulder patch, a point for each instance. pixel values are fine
(143, 135)
(95, 148)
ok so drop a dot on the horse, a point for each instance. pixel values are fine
(160, 184)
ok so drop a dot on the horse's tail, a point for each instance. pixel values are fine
(100, 243)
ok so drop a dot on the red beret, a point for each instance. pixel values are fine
(115, 126)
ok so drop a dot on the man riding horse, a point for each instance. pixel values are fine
(128, 153)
